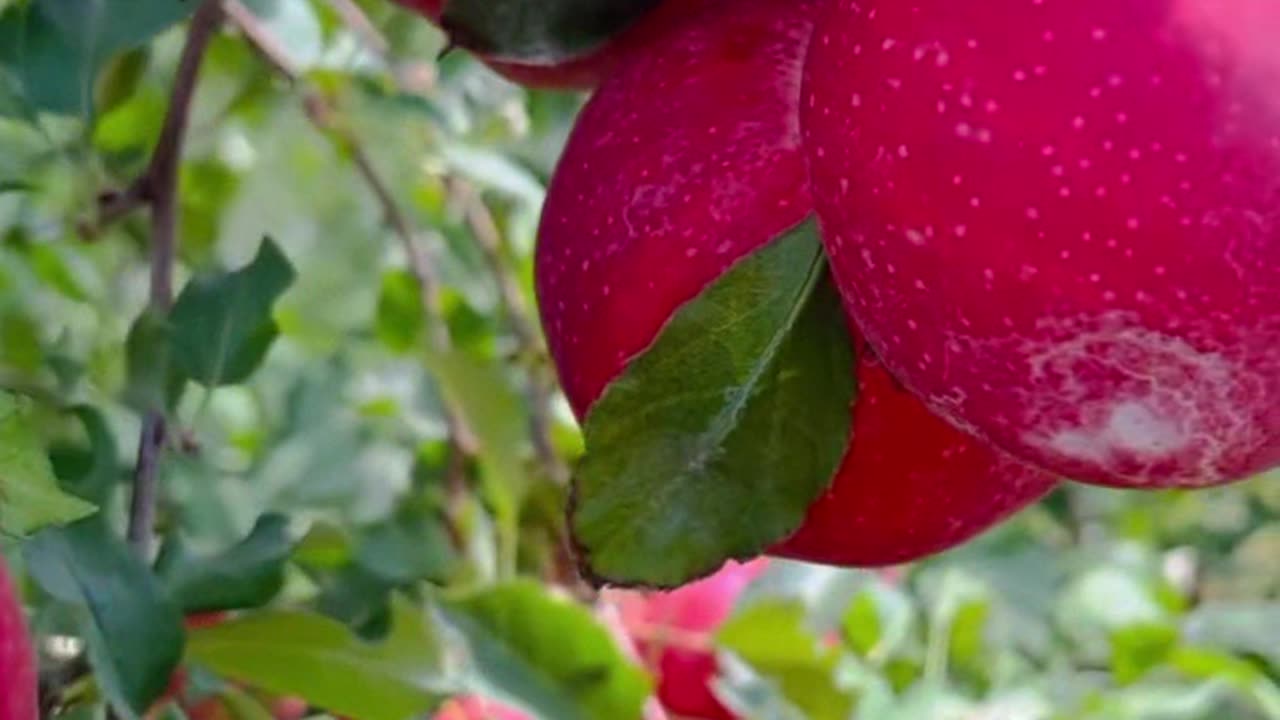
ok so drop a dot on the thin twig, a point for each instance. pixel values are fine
(364, 28)
(320, 111)
(158, 188)
(541, 389)
(113, 206)
(531, 350)
(261, 38)
(414, 77)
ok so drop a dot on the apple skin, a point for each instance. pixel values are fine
(18, 681)
(1058, 222)
(685, 161)
(910, 486)
(587, 71)
(682, 163)
(672, 630)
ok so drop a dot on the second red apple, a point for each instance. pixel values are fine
(1059, 221)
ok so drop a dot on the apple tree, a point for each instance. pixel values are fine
(639, 359)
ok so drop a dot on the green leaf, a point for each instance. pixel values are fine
(966, 642)
(101, 28)
(29, 495)
(221, 325)
(1204, 663)
(405, 549)
(1137, 649)
(321, 661)
(1167, 701)
(544, 654)
(495, 413)
(135, 632)
(55, 47)
(714, 442)
(15, 186)
(90, 474)
(879, 622)
(249, 574)
(152, 383)
(20, 342)
(1239, 627)
(771, 637)
(119, 79)
(543, 32)
(862, 623)
(1219, 666)
(326, 545)
(244, 707)
(46, 71)
(400, 318)
(51, 265)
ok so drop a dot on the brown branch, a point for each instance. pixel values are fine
(320, 111)
(261, 38)
(413, 77)
(532, 353)
(158, 188)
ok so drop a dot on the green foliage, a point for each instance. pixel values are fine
(544, 654)
(221, 326)
(246, 575)
(28, 490)
(373, 567)
(320, 659)
(772, 638)
(689, 463)
(134, 631)
(53, 49)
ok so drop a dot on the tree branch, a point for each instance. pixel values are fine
(320, 111)
(532, 352)
(158, 188)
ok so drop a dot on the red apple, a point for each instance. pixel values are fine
(910, 485)
(587, 71)
(672, 633)
(685, 161)
(1058, 221)
(17, 657)
(474, 707)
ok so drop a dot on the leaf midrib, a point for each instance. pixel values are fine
(723, 424)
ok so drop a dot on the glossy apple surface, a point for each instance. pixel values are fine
(17, 657)
(684, 162)
(1058, 221)
(911, 485)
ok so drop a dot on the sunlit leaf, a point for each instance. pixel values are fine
(321, 661)
(29, 494)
